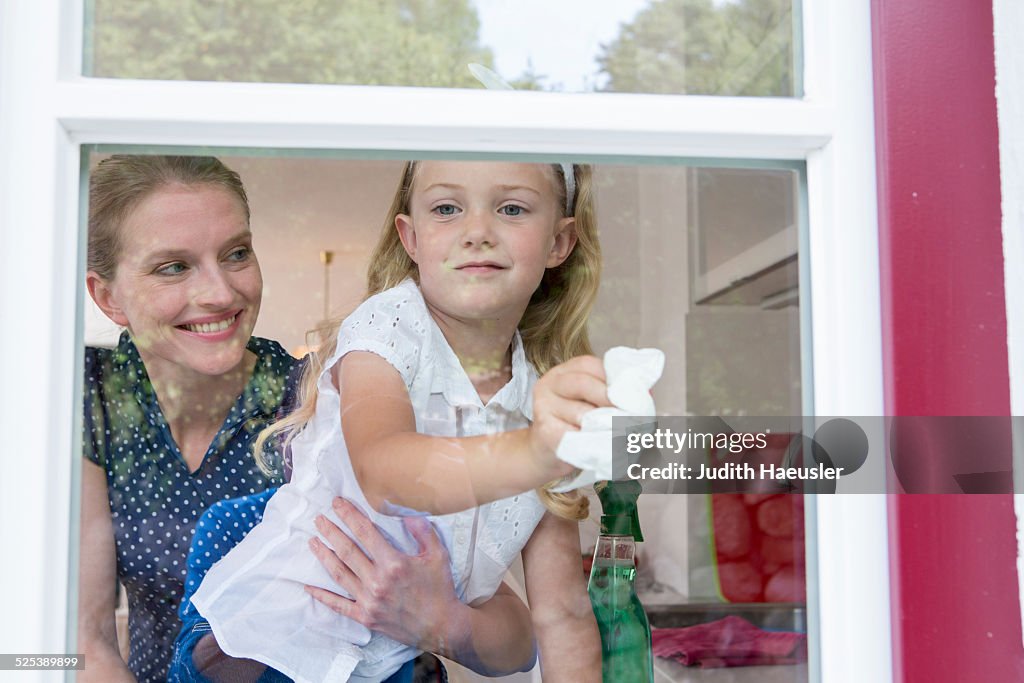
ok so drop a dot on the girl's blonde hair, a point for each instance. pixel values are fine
(553, 328)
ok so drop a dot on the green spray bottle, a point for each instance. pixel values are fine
(625, 631)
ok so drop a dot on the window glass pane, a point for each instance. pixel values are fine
(670, 234)
(701, 47)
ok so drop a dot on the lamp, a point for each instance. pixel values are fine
(326, 257)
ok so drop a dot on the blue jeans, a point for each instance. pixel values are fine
(183, 668)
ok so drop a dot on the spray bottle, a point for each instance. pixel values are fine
(625, 631)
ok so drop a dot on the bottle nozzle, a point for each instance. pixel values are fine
(618, 504)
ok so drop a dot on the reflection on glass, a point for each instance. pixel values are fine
(700, 262)
(705, 47)
(744, 274)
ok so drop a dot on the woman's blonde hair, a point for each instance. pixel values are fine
(553, 328)
(123, 181)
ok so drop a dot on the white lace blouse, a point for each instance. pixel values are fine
(254, 597)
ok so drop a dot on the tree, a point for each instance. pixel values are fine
(693, 46)
(372, 42)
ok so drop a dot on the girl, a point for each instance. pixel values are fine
(484, 275)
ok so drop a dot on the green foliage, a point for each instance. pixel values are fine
(692, 46)
(372, 42)
(743, 47)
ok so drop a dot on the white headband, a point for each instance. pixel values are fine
(569, 172)
(493, 81)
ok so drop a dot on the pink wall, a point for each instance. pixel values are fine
(955, 609)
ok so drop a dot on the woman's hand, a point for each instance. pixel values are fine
(560, 399)
(407, 598)
(412, 599)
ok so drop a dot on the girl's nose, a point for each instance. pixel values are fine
(479, 230)
(213, 289)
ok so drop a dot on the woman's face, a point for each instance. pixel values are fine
(187, 284)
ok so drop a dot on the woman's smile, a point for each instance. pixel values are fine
(213, 328)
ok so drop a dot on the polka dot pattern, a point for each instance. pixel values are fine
(155, 500)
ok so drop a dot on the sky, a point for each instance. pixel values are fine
(561, 37)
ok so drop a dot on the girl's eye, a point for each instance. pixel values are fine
(511, 210)
(446, 210)
(171, 269)
(240, 254)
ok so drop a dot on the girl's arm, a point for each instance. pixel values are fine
(570, 646)
(97, 584)
(412, 599)
(440, 475)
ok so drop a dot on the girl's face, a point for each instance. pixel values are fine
(482, 235)
(187, 284)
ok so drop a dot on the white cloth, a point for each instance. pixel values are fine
(630, 374)
(254, 597)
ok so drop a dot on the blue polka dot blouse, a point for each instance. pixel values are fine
(155, 500)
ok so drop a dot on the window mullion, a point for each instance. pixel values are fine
(849, 543)
(414, 119)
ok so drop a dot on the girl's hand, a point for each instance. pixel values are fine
(406, 597)
(560, 398)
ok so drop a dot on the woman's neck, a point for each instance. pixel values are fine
(483, 347)
(194, 403)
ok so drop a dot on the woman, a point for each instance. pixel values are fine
(170, 415)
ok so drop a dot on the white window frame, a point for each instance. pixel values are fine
(1008, 20)
(48, 110)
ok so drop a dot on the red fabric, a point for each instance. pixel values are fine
(732, 641)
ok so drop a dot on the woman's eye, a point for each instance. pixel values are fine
(171, 269)
(511, 210)
(240, 254)
(446, 210)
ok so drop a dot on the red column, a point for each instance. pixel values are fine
(955, 603)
